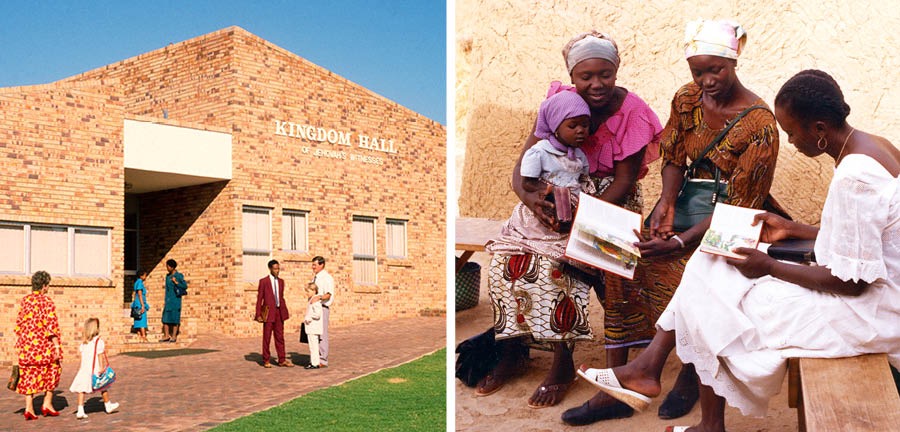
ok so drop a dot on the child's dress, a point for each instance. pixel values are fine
(82, 382)
(140, 290)
(522, 232)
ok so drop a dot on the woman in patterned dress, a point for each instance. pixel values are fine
(746, 159)
(537, 298)
(38, 346)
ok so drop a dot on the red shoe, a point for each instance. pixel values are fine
(49, 412)
(30, 416)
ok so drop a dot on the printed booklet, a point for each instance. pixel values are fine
(731, 228)
(603, 236)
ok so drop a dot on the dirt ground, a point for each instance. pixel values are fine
(507, 409)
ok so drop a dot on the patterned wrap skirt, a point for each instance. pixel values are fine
(632, 306)
(532, 295)
(38, 378)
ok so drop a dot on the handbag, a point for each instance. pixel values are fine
(136, 312)
(180, 291)
(101, 381)
(795, 250)
(698, 197)
(478, 355)
(304, 338)
(13, 382)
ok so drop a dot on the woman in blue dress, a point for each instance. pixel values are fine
(140, 301)
(171, 316)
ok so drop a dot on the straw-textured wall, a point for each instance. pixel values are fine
(507, 53)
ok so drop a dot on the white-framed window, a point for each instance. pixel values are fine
(57, 249)
(294, 231)
(12, 254)
(364, 253)
(50, 249)
(395, 235)
(91, 252)
(257, 241)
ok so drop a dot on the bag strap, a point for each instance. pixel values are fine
(720, 137)
(94, 359)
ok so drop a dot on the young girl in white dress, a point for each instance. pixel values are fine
(91, 363)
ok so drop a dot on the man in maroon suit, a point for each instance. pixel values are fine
(272, 311)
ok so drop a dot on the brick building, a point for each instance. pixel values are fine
(222, 152)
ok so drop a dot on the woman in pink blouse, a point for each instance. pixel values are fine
(541, 301)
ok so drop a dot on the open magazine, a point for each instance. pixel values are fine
(731, 228)
(603, 236)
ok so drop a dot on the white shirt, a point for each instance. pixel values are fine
(547, 163)
(274, 281)
(325, 284)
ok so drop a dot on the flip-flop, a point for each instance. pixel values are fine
(560, 389)
(606, 380)
(490, 380)
(676, 428)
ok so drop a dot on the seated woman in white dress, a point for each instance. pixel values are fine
(738, 321)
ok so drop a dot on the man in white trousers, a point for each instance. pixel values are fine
(325, 282)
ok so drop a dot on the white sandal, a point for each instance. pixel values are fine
(606, 381)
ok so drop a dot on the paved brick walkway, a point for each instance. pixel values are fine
(198, 392)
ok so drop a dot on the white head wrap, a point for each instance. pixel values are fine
(591, 47)
(715, 38)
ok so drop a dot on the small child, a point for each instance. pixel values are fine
(140, 301)
(89, 364)
(563, 125)
(314, 327)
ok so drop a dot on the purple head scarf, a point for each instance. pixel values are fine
(553, 111)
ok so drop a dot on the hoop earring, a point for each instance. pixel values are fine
(819, 143)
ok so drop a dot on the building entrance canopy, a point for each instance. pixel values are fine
(160, 156)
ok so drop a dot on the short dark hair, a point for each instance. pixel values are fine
(318, 259)
(141, 272)
(813, 95)
(39, 279)
(271, 263)
(171, 263)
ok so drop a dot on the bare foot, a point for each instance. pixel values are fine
(636, 381)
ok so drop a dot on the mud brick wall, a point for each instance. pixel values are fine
(508, 52)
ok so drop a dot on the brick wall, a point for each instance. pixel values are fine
(62, 164)
(235, 81)
(273, 84)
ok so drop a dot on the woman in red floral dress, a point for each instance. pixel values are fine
(37, 344)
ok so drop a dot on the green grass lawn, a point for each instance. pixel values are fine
(410, 397)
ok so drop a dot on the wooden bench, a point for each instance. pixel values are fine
(472, 234)
(844, 394)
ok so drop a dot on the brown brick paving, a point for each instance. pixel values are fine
(198, 392)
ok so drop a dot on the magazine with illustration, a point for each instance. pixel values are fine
(731, 228)
(603, 236)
